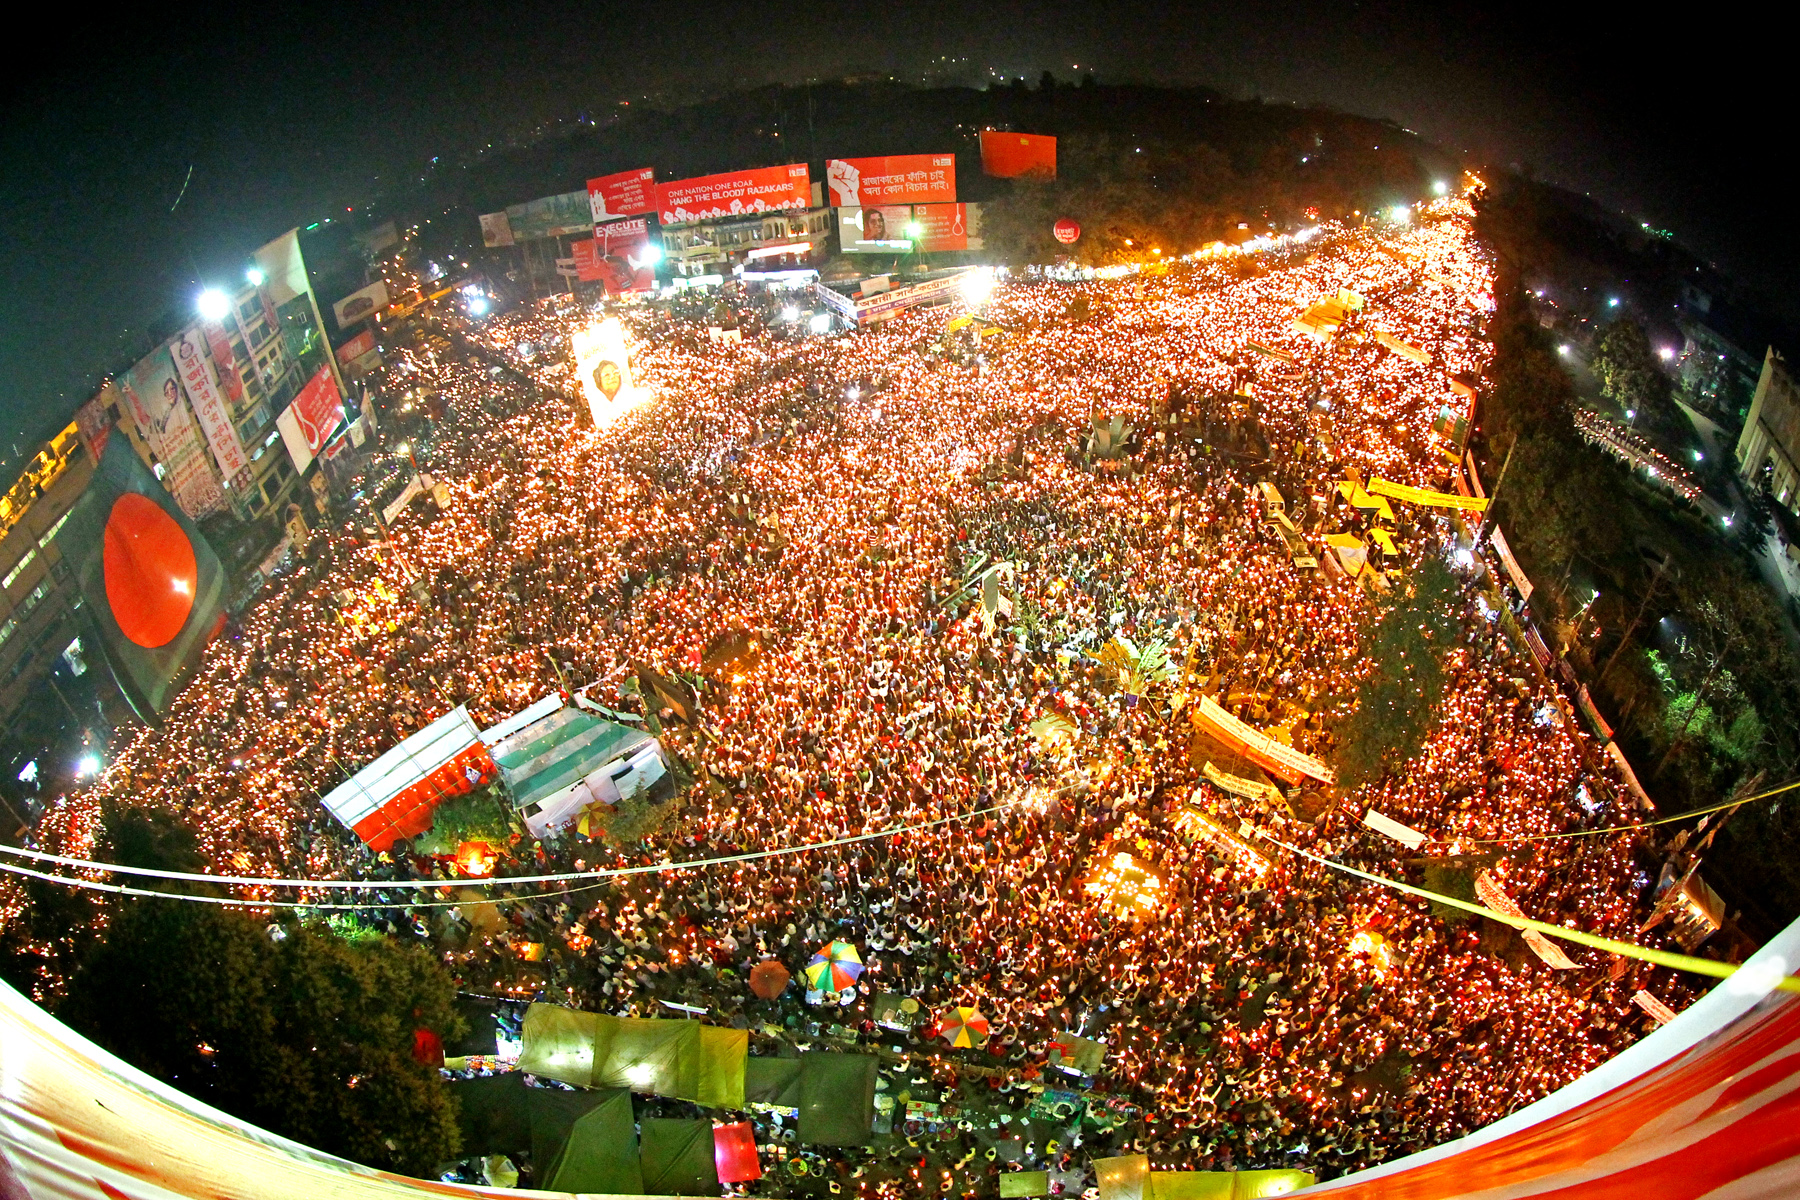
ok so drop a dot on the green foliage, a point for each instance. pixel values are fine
(479, 816)
(633, 820)
(150, 839)
(310, 1037)
(1109, 438)
(1455, 880)
(1398, 697)
(1569, 510)
(1631, 377)
(1133, 668)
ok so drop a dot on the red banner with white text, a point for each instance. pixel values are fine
(897, 179)
(734, 193)
(626, 194)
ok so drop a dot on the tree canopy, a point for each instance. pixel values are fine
(1396, 702)
(309, 1036)
(1631, 377)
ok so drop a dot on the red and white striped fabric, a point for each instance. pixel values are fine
(393, 797)
(1707, 1106)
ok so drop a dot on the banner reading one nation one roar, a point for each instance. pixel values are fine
(1258, 746)
(734, 193)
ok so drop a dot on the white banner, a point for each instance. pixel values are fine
(364, 302)
(1494, 896)
(154, 391)
(1406, 835)
(209, 406)
(398, 504)
(1656, 1008)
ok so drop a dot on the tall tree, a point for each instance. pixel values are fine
(1398, 697)
(310, 1037)
(1632, 378)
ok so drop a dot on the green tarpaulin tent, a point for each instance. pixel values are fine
(561, 749)
(494, 1113)
(1225, 1185)
(772, 1081)
(683, 1060)
(585, 1142)
(1126, 1177)
(719, 1077)
(558, 1043)
(837, 1098)
(678, 1158)
(1024, 1183)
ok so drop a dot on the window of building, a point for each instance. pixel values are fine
(19, 567)
(55, 529)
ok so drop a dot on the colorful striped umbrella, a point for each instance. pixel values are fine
(834, 968)
(963, 1027)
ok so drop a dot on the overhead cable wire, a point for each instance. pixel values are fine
(1661, 958)
(1576, 833)
(598, 873)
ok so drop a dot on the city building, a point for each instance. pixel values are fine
(43, 647)
(201, 410)
(1769, 448)
(770, 240)
(1720, 354)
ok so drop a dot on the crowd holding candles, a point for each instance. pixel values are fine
(831, 497)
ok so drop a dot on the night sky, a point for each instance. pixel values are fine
(287, 113)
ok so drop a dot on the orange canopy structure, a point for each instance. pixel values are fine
(1257, 746)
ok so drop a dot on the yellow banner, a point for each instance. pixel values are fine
(1413, 495)
(1237, 785)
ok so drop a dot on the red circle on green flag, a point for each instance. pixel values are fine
(150, 571)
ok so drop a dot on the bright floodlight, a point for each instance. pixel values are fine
(213, 304)
(254, 277)
(1664, 353)
(821, 322)
(1400, 214)
(478, 305)
(914, 229)
(977, 286)
(790, 313)
(1613, 302)
(652, 254)
(1441, 188)
(87, 765)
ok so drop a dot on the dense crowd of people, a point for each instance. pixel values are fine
(829, 498)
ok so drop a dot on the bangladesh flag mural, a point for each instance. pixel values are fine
(153, 584)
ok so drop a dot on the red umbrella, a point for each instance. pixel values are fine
(768, 979)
